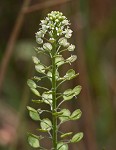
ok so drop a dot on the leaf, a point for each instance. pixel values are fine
(35, 91)
(65, 115)
(68, 94)
(59, 60)
(62, 146)
(77, 137)
(31, 84)
(66, 134)
(35, 60)
(76, 114)
(46, 124)
(77, 90)
(33, 141)
(47, 97)
(40, 68)
(33, 113)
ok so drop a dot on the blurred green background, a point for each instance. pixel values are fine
(94, 26)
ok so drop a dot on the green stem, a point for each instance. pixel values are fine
(54, 105)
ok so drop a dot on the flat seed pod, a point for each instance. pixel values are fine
(76, 114)
(40, 68)
(47, 97)
(35, 60)
(31, 83)
(46, 124)
(33, 113)
(33, 142)
(59, 60)
(35, 91)
(77, 137)
(71, 59)
(65, 115)
(77, 90)
(62, 146)
(66, 134)
(68, 94)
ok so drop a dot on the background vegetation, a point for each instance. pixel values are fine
(94, 26)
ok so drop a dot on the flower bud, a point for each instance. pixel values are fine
(47, 46)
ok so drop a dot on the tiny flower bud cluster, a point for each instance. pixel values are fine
(55, 24)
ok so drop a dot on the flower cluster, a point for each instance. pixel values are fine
(55, 24)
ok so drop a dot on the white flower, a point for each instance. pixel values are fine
(65, 22)
(43, 22)
(39, 40)
(71, 47)
(68, 33)
(47, 46)
(63, 41)
(45, 27)
(40, 34)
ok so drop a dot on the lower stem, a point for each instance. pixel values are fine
(54, 105)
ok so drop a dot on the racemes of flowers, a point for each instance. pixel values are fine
(52, 39)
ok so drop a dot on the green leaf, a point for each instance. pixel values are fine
(33, 113)
(35, 60)
(68, 94)
(76, 114)
(62, 146)
(65, 115)
(46, 124)
(77, 90)
(33, 141)
(47, 97)
(59, 60)
(66, 134)
(31, 84)
(35, 91)
(77, 137)
(40, 68)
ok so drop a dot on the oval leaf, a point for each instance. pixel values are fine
(77, 137)
(33, 113)
(76, 114)
(31, 84)
(62, 146)
(46, 124)
(65, 115)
